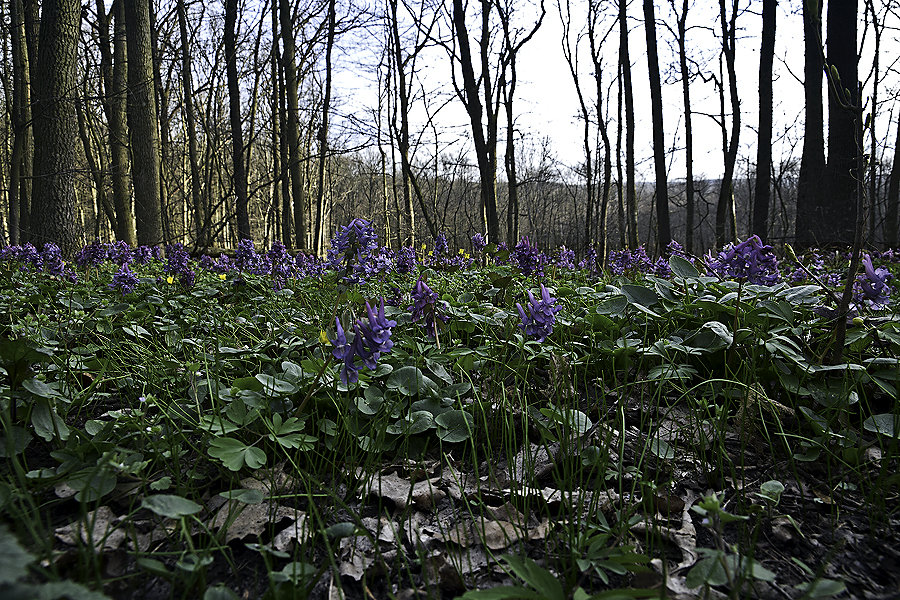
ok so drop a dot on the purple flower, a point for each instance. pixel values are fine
(590, 262)
(51, 257)
(119, 253)
(478, 242)
(627, 261)
(356, 240)
(566, 258)
(872, 286)
(751, 260)
(538, 322)
(124, 280)
(406, 259)
(424, 308)
(370, 340)
(528, 257)
(91, 255)
(440, 244)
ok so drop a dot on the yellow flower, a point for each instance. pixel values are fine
(462, 252)
(170, 280)
(424, 247)
(222, 276)
(324, 338)
(430, 253)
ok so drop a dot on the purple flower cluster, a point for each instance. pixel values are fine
(538, 322)
(425, 309)
(590, 263)
(631, 262)
(528, 258)
(872, 286)
(441, 247)
(406, 260)
(750, 260)
(246, 259)
(369, 341)
(478, 242)
(49, 259)
(178, 263)
(119, 253)
(566, 258)
(124, 280)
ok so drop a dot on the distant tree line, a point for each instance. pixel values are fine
(160, 121)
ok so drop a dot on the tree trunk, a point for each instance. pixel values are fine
(663, 231)
(725, 209)
(484, 151)
(842, 170)
(810, 188)
(113, 66)
(187, 89)
(323, 131)
(237, 135)
(142, 123)
(292, 131)
(764, 146)
(54, 210)
(630, 190)
(21, 163)
(688, 128)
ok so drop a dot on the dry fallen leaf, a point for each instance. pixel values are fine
(103, 534)
(250, 519)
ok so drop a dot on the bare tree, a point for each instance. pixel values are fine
(763, 194)
(234, 111)
(725, 205)
(663, 231)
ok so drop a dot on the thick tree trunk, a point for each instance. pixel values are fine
(237, 135)
(762, 194)
(54, 209)
(810, 186)
(893, 197)
(142, 123)
(842, 169)
(663, 231)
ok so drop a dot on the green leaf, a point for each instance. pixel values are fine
(47, 424)
(455, 426)
(341, 530)
(638, 294)
(15, 441)
(502, 592)
(14, 560)
(822, 588)
(708, 571)
(219, 592)
(410, 381)
(295, 572)
(244, 495)
(154, 567)
(547, 586)
(274, 386)
(57, 590)
(92, 483)
(661, 449)
(683, 268)
(39, 388)
(883, 424)
(234, 453)
(168, 505)
(772, 490)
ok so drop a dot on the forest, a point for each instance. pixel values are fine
(120, 123)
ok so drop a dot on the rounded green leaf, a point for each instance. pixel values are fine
(455, 426)
(410, 381)
(883, 424)
(168, 505)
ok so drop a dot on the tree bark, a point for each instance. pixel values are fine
(893, 197)
(187, 90)
(688, 127)
(762, 194)
(21, 163)
(630, 190)
(810, 188)
(663, 231)
(142, 123)
(485, 151)
(842, 169)
(323, 131)
(725, 205)
(292, 131)
(54, 209)
(237, 135)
